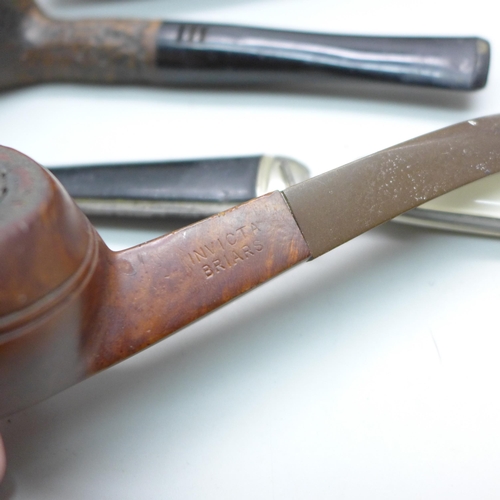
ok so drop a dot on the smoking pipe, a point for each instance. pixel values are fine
(35, 48)
(70, 307)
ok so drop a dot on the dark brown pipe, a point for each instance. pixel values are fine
(35, 48)
(70, 307)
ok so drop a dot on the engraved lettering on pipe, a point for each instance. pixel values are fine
(233, 248)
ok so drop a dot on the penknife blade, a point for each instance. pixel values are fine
(194, 188)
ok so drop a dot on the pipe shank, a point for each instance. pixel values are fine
(155, 289)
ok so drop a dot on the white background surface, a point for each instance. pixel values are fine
(371, 372)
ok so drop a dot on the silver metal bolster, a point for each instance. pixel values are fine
(277, 173)
(434, 219)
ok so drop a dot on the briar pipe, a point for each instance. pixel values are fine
(35, 48)
(70, 307)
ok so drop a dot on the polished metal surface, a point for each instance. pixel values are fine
(460, 223)
(149, 208)
(277, 173)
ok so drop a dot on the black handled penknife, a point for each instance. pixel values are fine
(195, 188)
(199, 188)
